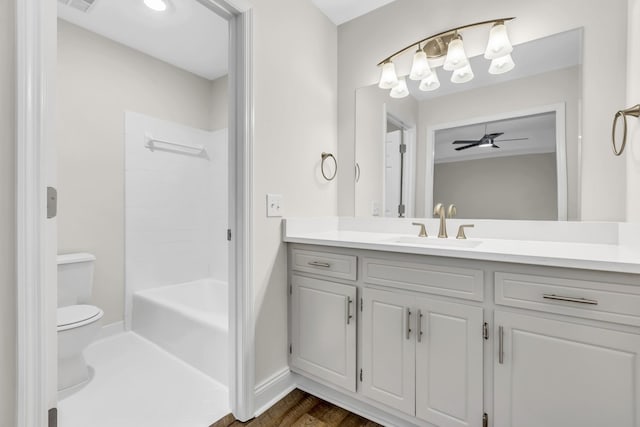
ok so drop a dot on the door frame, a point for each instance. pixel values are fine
(35, 55)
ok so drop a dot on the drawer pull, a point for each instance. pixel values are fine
(501, 344)
(570, 299)
(319, 264)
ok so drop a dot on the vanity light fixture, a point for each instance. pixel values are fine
(157, 5)
(448, 45)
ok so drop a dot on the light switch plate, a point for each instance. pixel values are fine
(274, 205)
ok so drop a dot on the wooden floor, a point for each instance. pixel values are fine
(301, 409)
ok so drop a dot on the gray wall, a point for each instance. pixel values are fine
(97, 81)
(7, 216)
(514, 187)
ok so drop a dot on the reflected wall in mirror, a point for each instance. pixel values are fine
(547, 79)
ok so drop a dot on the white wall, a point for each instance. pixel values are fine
(403, 22)
(561, 86)
(633, 98)
(97, 81)
(220, 103)
(295, 78)
(175, 206)
(7, 216)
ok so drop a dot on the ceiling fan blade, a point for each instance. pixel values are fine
(467, 146)
(493, 135)
(465, 142)
(513, 139)
(494, 146)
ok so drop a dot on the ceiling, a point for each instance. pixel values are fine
(187, 35)
(341, 11)
(540, 129)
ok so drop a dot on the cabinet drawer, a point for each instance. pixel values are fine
(455, 282)
(612, 302)
(327, 264)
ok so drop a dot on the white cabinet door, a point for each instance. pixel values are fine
(561, 374)
(388, 349)
(323, 327)
(449, 363)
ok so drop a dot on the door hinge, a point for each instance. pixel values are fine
(290, 349)
(403, 148)
(485, 330)
(485, 420)
(360, 375)
(361, 305)
(228, 234)
(52, 202)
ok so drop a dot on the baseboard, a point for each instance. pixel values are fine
(111, 329)
(274, 388)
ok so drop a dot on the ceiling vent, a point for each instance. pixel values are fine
(81, 5)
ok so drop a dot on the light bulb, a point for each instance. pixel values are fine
(388, 77)
(430, 83)
(157, 5)
(400, 90)
(501, 65)
(456, 58)
(420, 68)
(462, 75)
(499, 44)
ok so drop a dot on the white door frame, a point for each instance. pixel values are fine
(35, 77)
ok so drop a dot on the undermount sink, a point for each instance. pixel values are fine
(436, 242)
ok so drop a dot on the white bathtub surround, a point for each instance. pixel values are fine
(190, 321)
(175, 206)
(587, 245)
(137, 384)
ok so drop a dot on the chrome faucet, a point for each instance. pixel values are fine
(439, 211)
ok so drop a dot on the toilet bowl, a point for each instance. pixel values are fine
(78, 326)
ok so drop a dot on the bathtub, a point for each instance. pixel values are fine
(189, 320)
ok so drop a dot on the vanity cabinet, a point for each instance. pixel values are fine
(558, 374)
(423, 357)
(323, 330)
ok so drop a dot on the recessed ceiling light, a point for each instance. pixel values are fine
(157, 5)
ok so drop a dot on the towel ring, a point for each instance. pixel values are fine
(325, 156)
(631, 111)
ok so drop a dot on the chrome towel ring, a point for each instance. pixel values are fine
(631, 111)
(325, 156)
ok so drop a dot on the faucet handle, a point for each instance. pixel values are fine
(461, 234)
(452, 211)
(438, 208)
(423, 229)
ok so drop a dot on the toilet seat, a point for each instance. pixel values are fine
(74, 316)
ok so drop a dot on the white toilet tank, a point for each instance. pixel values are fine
(75, 278)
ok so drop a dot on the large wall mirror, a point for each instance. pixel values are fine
(498, 147)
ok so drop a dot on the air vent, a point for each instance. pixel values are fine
(81, 5)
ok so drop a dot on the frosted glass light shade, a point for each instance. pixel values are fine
(462, 75)
(400, 90)
(420, 68)
(388, 76)
(501, 65)
(499, 44)
(430, 83)
(456, 58)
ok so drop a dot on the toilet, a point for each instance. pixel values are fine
(78, 322)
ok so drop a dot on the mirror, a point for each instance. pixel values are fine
(406, 148)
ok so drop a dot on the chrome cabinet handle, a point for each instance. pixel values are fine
(500, 345)
(408, 323)
(349, 315)
(419, 332)
(319, 264)
(570, 299)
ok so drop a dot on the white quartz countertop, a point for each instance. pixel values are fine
(570, 254)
